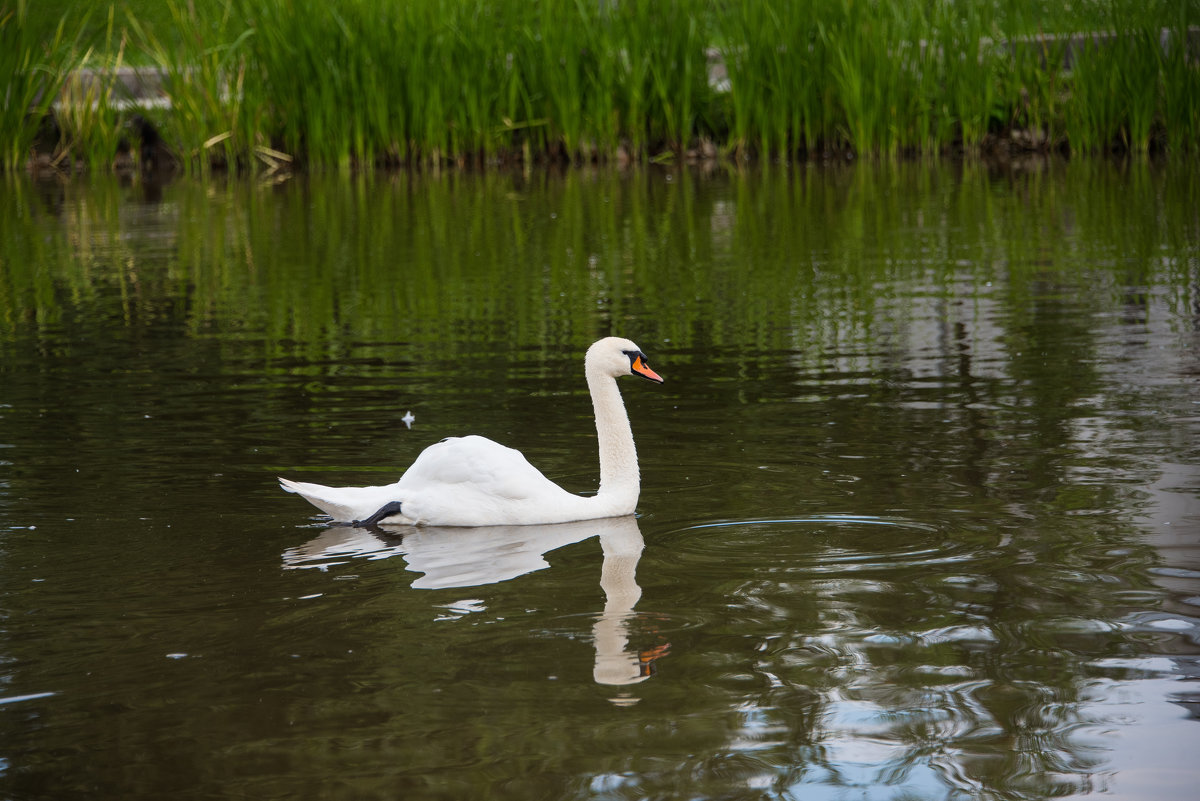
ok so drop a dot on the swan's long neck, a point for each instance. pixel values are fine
(619, 479)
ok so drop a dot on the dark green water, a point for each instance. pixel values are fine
(920, 505)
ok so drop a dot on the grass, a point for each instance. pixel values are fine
(215, 115)
(474, 82)
(35, 64)
(88, 117)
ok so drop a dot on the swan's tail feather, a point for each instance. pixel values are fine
(346, 504)
(321, 497)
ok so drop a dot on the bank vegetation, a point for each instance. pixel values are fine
(275, 84)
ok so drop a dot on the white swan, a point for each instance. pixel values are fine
(473, 481)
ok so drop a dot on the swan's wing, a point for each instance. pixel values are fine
(473, 481)
(477, 462)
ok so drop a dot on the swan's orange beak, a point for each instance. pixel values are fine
(640, 367)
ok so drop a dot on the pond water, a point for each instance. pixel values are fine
(920, 510)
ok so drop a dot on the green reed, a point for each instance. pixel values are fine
(215, 113)
(872, 77)
(1108, 104)
(969, 75)
(371, 82)
(377, 83)
(1180, 90)
(89, 119)
(434, 80)
(777, 70)
(1129, 87)
(32, 70)
(1032, 82)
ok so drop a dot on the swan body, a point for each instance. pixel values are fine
(473, 481)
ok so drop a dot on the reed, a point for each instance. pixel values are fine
(965, 36)
(680, 76)
(874, 77)
(866, 81)
(215, 113)
(777, 72)
(1134, 87)
(1032, 84)
(373, 82)
(33, 67)
(1180, 90)
(90, 123)
(1098, 113)
(431, 82)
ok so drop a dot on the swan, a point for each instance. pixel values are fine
(473, 481)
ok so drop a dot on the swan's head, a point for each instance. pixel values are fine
(616, 357)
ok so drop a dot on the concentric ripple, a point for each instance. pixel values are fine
(822, 544)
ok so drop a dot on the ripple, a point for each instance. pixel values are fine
(1175, 572)
(1152, 667)
(821, 544)
(869, 520)
(1154, 622)
(679, 478)
(957, 634)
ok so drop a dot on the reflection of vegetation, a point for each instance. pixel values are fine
(778, 258)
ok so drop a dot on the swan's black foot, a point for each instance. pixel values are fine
(387, 510)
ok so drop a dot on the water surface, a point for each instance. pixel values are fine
(920, 513)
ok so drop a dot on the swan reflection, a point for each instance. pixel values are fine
(617, 663)
(470, 557)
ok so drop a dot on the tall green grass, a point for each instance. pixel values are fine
(215, 113)
(89, 120)
(1180, 91)
(777, 70)
(472, 82)
(33, 66)
(455, 80)
(1127, 89)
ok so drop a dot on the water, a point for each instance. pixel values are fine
(920, 513)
